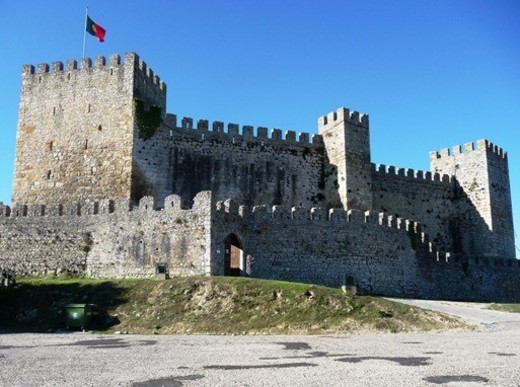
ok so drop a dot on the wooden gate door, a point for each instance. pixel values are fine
(233, 256)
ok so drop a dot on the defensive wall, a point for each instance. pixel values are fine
(383, 254)
(259, 166)
(417, 195)
(464, 203)
(107, 239)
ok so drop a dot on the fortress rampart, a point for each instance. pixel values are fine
(108, 184)
(103, 241)
(252, 167)
(235, 132)
(418, 176)
(382, 253)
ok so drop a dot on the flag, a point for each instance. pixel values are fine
(95, 29)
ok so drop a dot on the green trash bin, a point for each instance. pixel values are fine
(79, 315)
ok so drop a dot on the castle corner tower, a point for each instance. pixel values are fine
(483, 175)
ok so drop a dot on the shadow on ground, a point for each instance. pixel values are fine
(40, 307)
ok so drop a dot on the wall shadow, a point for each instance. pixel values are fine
(40, 308)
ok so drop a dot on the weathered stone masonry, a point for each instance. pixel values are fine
(108, 239)
(386, 255)
(94, 195)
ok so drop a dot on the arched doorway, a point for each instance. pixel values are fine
(232, 256)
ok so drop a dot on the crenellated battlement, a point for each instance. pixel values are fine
(99, 63)
(492, 148)
(479, 145)
(76, 209)
(412, 174)
(204, 131)
(229, 210)
(344, 115)
(102, 207)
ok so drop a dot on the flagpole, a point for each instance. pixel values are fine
(85, 32)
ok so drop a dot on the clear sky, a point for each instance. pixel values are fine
(430, 73)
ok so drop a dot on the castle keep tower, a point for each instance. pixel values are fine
(77, 128)
(483, 175)
(346, 139)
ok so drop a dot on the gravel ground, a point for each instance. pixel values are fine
(486, 357)
(475, 313)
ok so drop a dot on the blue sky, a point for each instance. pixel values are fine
(431, 74)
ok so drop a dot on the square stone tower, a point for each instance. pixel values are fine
(77, 128)
(347, 143)
(482, 172)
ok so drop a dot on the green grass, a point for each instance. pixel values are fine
(514, 308)
(218, 305)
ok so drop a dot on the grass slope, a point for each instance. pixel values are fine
(512, 308)
(219, 305)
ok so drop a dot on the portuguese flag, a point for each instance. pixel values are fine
(95, 29)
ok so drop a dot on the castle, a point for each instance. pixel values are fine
(106, 184)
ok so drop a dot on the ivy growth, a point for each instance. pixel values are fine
(147, 121)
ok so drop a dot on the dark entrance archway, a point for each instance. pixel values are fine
(232, 256)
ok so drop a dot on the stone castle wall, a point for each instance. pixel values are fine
(254, 167)
(417, 195)
(385, 255)
(108, 239)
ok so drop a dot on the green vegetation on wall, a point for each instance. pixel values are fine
(147, 121)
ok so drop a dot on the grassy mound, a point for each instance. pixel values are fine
(218, 305)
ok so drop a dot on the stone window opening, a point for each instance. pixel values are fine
(161, 271)
(86, 144)
(111, 71)
(100, 128)
(54, 111)
(89, 108)
(50, 145)
(68, 76)
(49, 173)
(40, 79)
